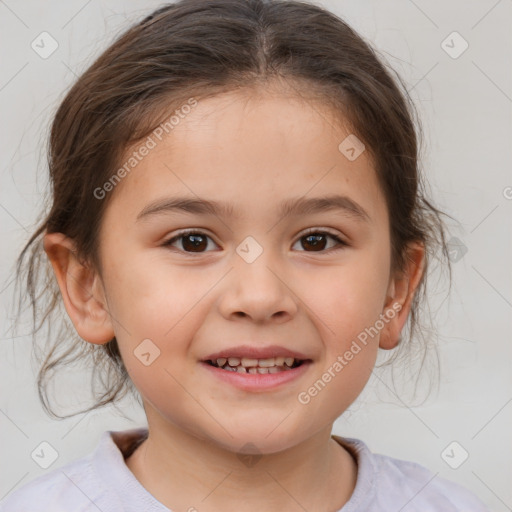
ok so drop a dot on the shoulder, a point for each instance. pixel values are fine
(423, 490)
(394, 484)
(73, 486)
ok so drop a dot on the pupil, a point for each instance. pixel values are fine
(197, 240)
(313, 240)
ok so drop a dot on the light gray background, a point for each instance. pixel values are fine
(466, 105)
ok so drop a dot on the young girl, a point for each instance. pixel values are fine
(238, 225)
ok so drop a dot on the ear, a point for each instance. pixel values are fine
(401, 291)
(81, 289)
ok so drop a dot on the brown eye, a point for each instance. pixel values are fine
(316, 241)
(197, 242)
(192, 241)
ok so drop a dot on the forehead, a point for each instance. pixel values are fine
(252, 151)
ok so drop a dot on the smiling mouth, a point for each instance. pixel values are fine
(256, 366)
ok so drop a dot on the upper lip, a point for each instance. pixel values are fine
(253, 352)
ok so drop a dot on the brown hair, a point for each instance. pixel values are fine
(201, 48)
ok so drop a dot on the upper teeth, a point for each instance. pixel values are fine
(247, 362)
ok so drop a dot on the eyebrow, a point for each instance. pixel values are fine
(290, 207)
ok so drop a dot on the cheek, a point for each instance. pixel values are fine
(154, 300)
(347, 298)
(150, 296)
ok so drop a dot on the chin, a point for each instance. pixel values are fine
(256, 441)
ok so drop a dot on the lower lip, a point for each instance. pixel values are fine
(258, 381)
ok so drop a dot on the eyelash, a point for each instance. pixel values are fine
(341, 244)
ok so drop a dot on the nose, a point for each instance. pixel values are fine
(260, 291)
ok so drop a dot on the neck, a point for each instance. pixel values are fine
(185, 472)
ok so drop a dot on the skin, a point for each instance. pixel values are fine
(252, 149)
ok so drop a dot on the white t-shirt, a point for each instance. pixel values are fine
(102, 482)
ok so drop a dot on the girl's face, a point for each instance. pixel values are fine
(251, 276)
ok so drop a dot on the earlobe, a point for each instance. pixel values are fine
(401, 292)
(81, 290)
